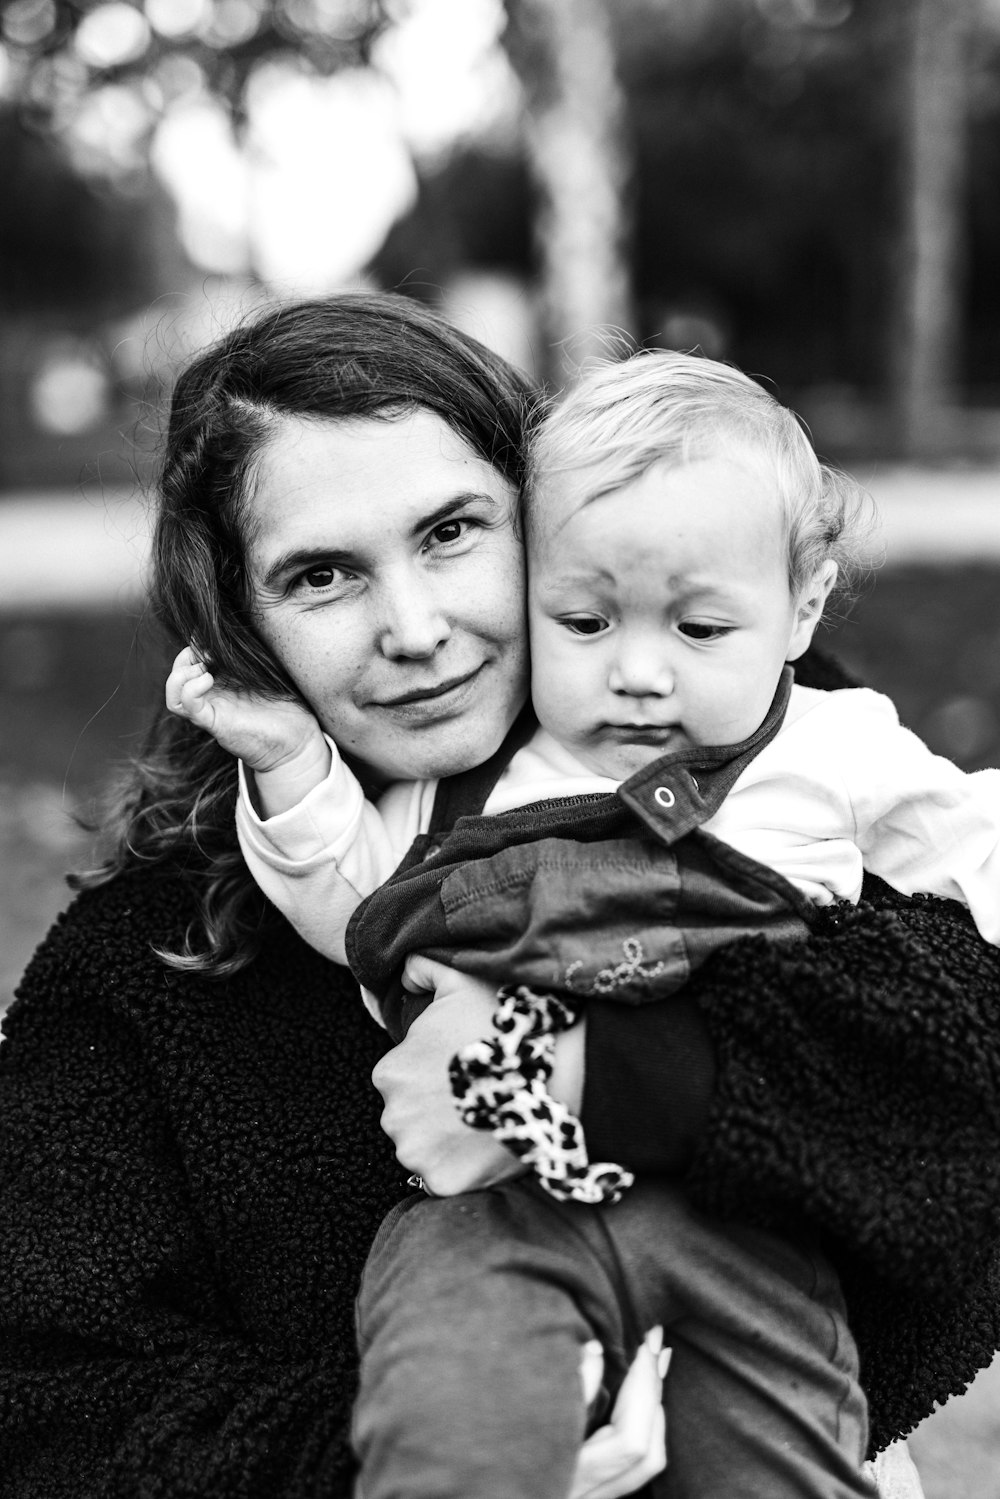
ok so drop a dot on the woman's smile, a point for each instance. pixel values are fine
(436, 696)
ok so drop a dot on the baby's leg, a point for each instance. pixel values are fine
(473, 1311)
(763, 1398)
(472, 1315)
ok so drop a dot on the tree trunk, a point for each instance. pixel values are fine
(925, 328)
(564, 55)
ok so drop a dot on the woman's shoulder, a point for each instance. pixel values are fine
(104, 951)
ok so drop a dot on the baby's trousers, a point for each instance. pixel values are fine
(473, 1311)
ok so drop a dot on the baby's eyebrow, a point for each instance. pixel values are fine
(556, 576)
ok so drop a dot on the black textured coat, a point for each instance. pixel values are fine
(191, 1172)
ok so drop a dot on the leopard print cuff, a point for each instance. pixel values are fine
(500, 1084)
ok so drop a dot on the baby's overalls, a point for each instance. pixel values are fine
(473, 1309)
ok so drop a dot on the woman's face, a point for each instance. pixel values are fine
(388, 581)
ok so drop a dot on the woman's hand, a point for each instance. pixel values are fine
(420, 1116)
(622, 1456)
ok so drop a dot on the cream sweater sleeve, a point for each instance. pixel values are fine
(317, 861)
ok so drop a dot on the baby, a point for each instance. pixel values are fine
(683, 541)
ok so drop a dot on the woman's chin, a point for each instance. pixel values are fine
(436, 750)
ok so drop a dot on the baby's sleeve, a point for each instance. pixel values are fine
(922, 824)
(317, 861)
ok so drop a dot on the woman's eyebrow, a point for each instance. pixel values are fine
(302, 557)
(453, 503)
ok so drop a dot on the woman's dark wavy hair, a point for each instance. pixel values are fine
(355, 355)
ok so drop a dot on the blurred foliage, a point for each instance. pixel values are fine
(766, 189)
(65, 47)
(763, 194)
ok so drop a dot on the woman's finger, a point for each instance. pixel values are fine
(416, 976)
(591, 1370)
(420, 973)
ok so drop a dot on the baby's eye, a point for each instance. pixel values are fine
(696, 629)
(584, 624)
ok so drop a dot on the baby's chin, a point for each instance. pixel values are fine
(623, 756)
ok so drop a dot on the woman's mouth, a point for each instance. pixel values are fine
(434, 700)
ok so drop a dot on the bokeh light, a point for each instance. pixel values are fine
(340, 19)
(111, 35)
(194, 151)
(232, 22)
(331, 173)
(175, 18)
(450, 73)
(107, 134)
(70, 390)
(26, 23)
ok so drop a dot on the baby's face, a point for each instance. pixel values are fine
(660, 613)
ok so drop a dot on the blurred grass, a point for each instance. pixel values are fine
(76, 690)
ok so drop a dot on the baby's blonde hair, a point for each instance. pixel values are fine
(622, 416)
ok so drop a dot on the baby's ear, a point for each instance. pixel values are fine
(809, 610)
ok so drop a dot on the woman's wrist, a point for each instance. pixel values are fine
(568, 1066)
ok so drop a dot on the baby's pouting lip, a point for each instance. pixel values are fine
(641, 733)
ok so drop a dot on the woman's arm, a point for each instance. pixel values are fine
(149, 1338)
(854, 1077)
(857, 1080)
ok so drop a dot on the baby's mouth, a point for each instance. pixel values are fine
(642, 733)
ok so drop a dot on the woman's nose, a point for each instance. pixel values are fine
(641, 669)
(410, 621)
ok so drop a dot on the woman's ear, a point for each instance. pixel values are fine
(809, 610)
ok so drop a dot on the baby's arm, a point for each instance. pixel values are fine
(312, 842)
(922, 824)
(278, 739)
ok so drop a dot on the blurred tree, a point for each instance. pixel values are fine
(580, 164)
(925, 328)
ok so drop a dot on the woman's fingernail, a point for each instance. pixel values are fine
(663, 1362)
(654, 1339)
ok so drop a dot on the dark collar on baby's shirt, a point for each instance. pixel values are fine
(680, 791)
(674, 794)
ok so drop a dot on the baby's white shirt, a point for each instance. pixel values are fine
(842, 787)
(319, 860)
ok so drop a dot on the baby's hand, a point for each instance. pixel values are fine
(277, 738)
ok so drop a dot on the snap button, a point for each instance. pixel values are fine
(663, 796)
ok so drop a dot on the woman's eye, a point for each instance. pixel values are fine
(319, 577)
(695, 630)
(449, 530)
(585, 624)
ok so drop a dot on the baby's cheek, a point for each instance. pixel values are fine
(558, 708)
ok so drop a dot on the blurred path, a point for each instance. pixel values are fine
(89, 548)
(71, 549)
